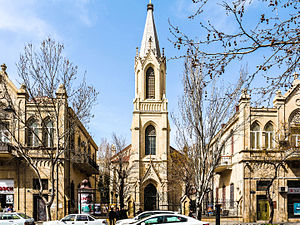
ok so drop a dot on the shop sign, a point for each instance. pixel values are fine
(294, 191)
(6, 186)
(296, 209)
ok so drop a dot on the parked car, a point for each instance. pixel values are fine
(15, 218)
(77, 219)
(175, 219)
(141, 216)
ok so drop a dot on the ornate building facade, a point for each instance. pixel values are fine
(149, 153)
(29, 127)
(264, 146)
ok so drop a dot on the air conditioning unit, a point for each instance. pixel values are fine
(283, 189)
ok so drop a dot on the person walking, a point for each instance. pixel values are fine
(111, 216)
(118, 215)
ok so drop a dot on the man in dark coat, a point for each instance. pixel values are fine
(112, 216)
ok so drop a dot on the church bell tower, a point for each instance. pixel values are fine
(150, 126)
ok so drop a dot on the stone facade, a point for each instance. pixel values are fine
(18, 181)
(149, 152)
(261, 138)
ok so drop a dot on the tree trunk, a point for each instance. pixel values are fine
(121, 194)
(270, 204)
(199, 213)
(48, 212)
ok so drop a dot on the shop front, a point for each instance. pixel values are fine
(293, 199)
(6, 194)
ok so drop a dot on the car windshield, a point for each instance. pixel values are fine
(69, 218)
(24, 216)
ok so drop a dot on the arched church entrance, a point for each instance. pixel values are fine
(150, 198)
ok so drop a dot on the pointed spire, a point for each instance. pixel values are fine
(150, 39)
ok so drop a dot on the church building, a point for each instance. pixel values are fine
(148, 185)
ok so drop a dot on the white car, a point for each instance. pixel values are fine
(142, 216)
(77, 219)
(13, 218)
(175, 219)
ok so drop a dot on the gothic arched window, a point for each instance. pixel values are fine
(255, 136)
(150, 143)
(269, 136)
(33, 132)
(48, 134)
(150, 83)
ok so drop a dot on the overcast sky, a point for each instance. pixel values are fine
(101, 37)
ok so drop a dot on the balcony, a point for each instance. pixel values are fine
(224, 164)
(85, 163)
(293, 154)
(151, 106)
(6, 150)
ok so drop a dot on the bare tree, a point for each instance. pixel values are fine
(265, 29)
(268, 166)
(120, 168)
(104, 166)
(204, 108)
(53, 95)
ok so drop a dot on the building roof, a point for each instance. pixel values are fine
(150, 38)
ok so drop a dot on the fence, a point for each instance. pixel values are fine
(228, 208)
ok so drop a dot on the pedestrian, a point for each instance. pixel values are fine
(112, 216)
(123, 214)
(10, 209)
(118, 214)
(140, 211)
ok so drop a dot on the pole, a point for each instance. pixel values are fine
(218, 212)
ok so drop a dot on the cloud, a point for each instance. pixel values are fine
(20, 17)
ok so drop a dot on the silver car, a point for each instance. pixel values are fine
(77, 219)
(13, 218)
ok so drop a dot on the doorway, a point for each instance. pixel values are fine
(263, 209)
(150, 198)
(39, 209)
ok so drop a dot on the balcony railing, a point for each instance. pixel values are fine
(224, 164)
(293, 153)
(5, 150)
(144, 106)
(85, 163)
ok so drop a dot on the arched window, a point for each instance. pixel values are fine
(150, 145)
(33, 132)
(269, 136)
(4, 133)
(255, 136)
(48, 134)
(150, 83)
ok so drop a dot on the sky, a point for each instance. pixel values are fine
(101, 36)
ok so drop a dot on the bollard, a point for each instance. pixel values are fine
(218, 212)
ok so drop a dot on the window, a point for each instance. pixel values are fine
(295, 137)
(217, 195)
(231, 196)
(255, 136)
(81, 218)
(48, 134)
(91, 219)
(269, 136)
(69, 218)
(33, 132)
(261, 185)
(36, 184)
(154, 220)
(224, 195)
(150, 83)
(150, 145)
(174, 219)
(4, 133)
